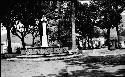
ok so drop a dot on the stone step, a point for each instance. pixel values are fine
(41, 58)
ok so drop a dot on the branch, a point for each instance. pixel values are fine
(16, 34)
(25, 33)
(37, 34)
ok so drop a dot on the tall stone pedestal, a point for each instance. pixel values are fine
(44, 41)
(44, 37)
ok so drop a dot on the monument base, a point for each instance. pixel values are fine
(44, 41)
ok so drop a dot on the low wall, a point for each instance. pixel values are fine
(44, 50)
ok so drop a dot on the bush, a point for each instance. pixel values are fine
(18, 51)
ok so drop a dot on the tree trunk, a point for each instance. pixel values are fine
(23, 43)
(108, 38)
(73, 28)
(9, 41)
(40, 32)
(88, 41)
(118, 37)
(33, 41)
(59, 34)
(91, 43)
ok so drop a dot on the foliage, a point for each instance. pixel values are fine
(100, 13)
(27, 12)
(7, 22)
(122, 33)
(34, 31)
(85, 19)
(23, 19)
(61, 22)
(99, 32)
(109, 12)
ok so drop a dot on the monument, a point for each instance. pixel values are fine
(44, 37)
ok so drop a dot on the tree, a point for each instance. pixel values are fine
(20, 31)
(73, 28)
(67, 22)
(109, 14)
(8, 22)
(122, 33)
(67, 25)
(61, 16)
(41, 8)
(52, 31)
(65, 32)
(85, 20)
(23, 18)
(97, 32)
(35, 33)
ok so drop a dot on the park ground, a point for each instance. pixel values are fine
(91, 63)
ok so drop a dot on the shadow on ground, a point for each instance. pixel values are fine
(92, 73)
(93, 65)
(104, 60)
(81, 73)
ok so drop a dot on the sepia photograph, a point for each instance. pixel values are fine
(62, 38)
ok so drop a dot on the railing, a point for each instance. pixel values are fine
(44, 50)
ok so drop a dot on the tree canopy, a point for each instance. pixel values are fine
(99, 13)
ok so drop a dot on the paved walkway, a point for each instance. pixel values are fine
(94, 52)
(36, 67)
(102, 52)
